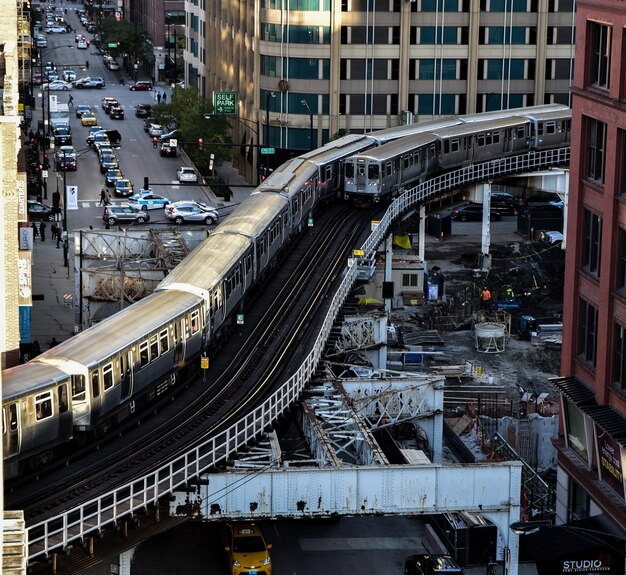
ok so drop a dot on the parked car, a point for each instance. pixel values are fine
(246, 550)
(90, 82)
(117, 214)
(112, 65)
(65, 159)
(504, 205)
(189, 211)
(39, 211)
(472, 213)
(143, 85)
(112, 176)
(124, 188)
(148, 201)
(62, 136)
(57, 85)
(187, 175)
(148, 122)
(168, 151)
(116, 112)
(171, 135)
(155, 130)
(143, 110)
(431, 564)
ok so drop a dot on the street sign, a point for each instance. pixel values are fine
(239, 319)
(268, 150)
(112, 45)
(204, 362)
(225, 103)
(44, 174)
(310, 222)
(173, 142)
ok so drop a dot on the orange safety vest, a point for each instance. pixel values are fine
(485, 295)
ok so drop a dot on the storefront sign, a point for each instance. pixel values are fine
(611, 461)
(24, 278)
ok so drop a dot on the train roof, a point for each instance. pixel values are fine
(253, 215)
(135, 322)
(206, 266)
(550, 115)
(465, 129)
(291, 175)
(40, 376)
(338, 149)
(397, 147)
(391, 134)
(524, 111)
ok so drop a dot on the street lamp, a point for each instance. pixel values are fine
(306, 105)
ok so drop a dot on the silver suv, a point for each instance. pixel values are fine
(116, 214)
(89, 82)
(190, 211)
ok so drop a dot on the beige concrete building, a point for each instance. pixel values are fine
(315, 67)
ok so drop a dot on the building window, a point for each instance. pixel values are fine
(599, 55)
(587, 332)
(441, 69)
(596, 146)
(621, 158)
(619, 356)
(575, 429)
(620, 278)
(592, 238)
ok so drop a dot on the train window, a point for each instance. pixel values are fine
(405, 162)
(165, 345)
(349, 170)
(431, 152)
(361, 171)
(550, 127)
(62, 393)
(95, 383)
(143, 354)
(78, 388)
(107, 376)
(496, 137)
(327, 174)
(154, 347)
(454, 145)
(43, 405)
(12, 417)
(480, 139)
(521, 132)
(247, 263)
(388, 169)
(195, 322)
(373, 172)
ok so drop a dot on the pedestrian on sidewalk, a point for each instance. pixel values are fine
(53, 342)
(53, 231)
(42, 230)
(107, 198)
(58, 236)
(70, 100)
(56, 203)
(35, 230)
(164, 97)
(103, 197)
(158, 97)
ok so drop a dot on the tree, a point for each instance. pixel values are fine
(188, 111)
(130, 39)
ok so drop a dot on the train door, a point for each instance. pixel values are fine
(179, 340)
(360, 179)
(10, 429)
(126, 373)
(66, 419)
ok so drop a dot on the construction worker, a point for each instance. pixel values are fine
(485, 298)
(509, 294)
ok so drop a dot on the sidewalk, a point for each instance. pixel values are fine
(52, 314)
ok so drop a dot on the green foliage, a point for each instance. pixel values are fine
(339, 134)
(187, 111)
(130, 39)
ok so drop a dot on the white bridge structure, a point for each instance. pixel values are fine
(340, 484)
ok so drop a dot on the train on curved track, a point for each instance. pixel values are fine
(100, 377)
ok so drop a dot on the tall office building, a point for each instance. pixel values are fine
(314, 68)
(592, 456)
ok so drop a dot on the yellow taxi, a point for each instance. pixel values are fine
(88, 119)
(246, 550)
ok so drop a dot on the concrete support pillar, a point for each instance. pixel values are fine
(421, 249)
(388, 267)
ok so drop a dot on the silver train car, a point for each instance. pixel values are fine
(98, 378)
(385, 171)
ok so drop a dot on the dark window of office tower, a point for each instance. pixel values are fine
(620, 277)
(596, 150)
(599, 55)
(621, 165)
(619, 355)
(508, 5)
(592, 242)
(587, 332)
(561, 6)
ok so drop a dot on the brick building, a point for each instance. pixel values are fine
(592, 455)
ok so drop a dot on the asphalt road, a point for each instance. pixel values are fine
(137, 157)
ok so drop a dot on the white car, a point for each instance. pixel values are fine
(56, 30)
(148, 201)
(69, 75)
(156, 130)
(82, 45)
(57, 85)
(189, 211)
(186, 175)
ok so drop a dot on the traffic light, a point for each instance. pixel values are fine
(200, 143)
(46, 161)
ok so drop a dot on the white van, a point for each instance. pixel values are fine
(60, 116)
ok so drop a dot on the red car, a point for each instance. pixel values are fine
(141, 85)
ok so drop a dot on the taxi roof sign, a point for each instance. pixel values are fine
(358, 253)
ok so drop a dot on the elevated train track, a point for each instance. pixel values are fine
(104, 497)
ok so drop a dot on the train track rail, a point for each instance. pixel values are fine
(280, 321)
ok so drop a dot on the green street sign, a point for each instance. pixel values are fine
(225, 103)
(268, 150)
(112, 45)
(239, 319)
